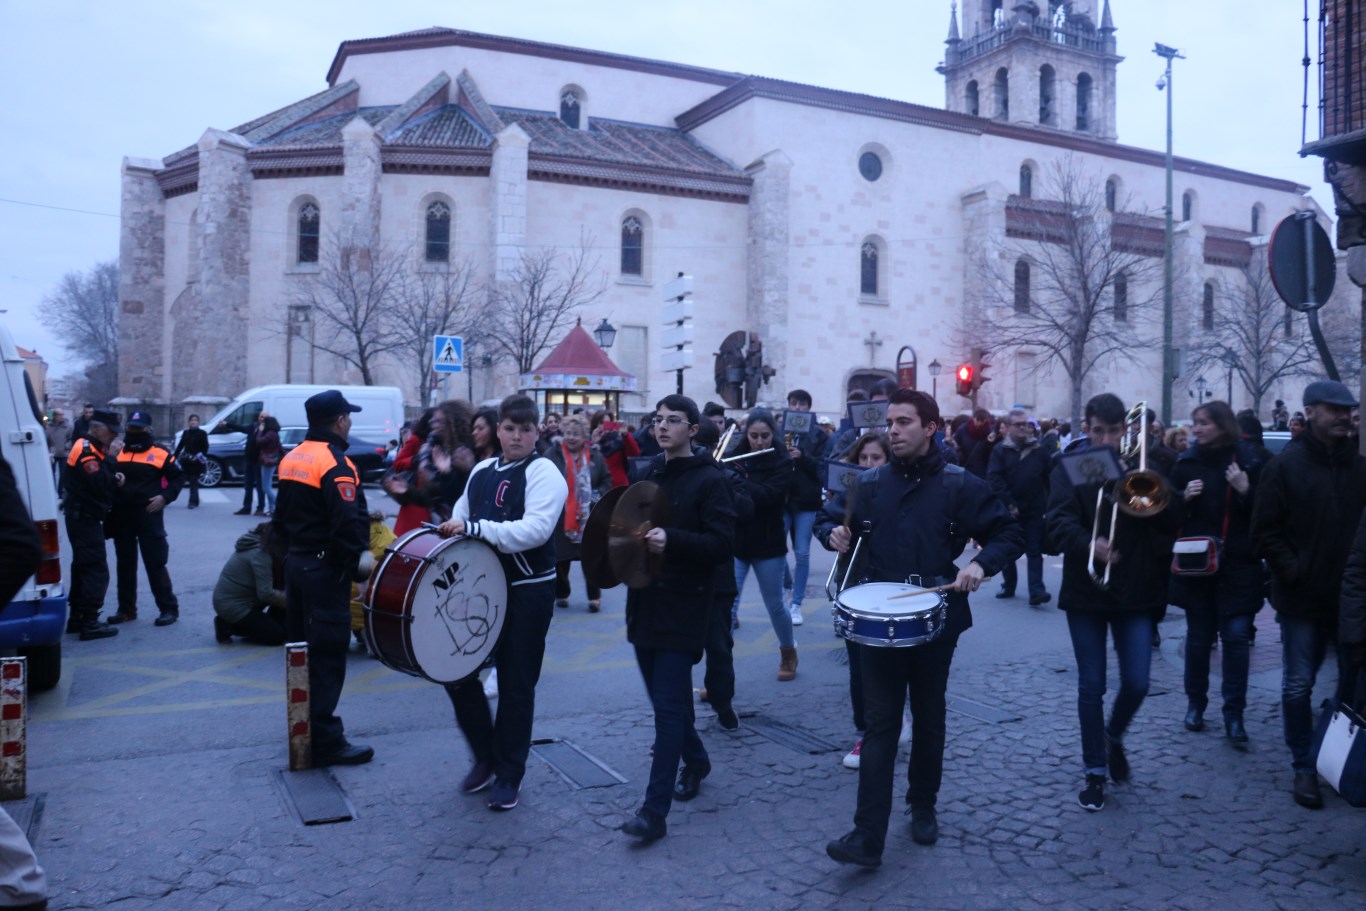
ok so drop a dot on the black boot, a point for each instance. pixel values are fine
(1195, 718)
(1233, 727)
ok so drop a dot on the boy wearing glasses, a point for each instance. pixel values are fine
(666, 621)
(1018, 473)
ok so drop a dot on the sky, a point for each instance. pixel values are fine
(88, 82)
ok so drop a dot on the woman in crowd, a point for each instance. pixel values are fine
(445, 460)
(249, 597)
(1215, 482)
(399, 484)
(761, 542)
(617, 447)
(588, 478)
(1177, 439)
(191, 452)
(485, 431)
(269, 455)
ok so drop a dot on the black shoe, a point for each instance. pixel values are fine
(504, 795)
(854, 849)
(244, 511)
(646, 826)
(1036, 600)
(690, 782)
(166, 619)
(1119, 763)
(221, 633)
(1195, 719)
(123, 617)
(1005, 594)
(924, 826)
(1233, 727)
(1306, 790)
(726, 717)
(1092, 797)
(351, 754)
(94, 629)
(480, 777)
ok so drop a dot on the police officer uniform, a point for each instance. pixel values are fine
(320, 510)
(137, 521)
(90, 486)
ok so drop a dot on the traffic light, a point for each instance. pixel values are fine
(964, 376)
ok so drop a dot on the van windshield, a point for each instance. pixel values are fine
(241, 420)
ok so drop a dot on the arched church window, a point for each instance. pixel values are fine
(310, 232)
(1111, 195)
(570, 108)
(1187, 205)
(1002, 94)
(1083, 103)
(972, 104)
(1207, 308)
(1046, 85)
(868, 269)
(1026, 180)
(438, 233)
(1021, 286)
(1257, 219)
(632, 246)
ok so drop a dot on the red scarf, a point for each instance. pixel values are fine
(571, 472)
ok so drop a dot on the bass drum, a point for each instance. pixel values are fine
(435, 607)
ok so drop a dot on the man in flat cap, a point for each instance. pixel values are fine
(1309, 502)
(91, 481)
(320, 511)
(152, 479)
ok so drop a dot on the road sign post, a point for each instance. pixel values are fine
(677, 319)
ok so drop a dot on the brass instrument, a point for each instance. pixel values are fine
(724, 443)
(1141, 492)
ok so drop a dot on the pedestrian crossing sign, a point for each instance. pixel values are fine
(448, 354)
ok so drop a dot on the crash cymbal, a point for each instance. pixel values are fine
(593, 548)
(641, 508)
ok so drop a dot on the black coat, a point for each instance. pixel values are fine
(920, 526)
(806, 491)
(1352, 618)
(194, 442)
(766, 481)
(1306, 513)
(1237, 588)
(974, 449)
(1020, 477)
(672, 612)
(1138, 582)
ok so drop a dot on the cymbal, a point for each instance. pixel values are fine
(593, 547)
(642, 507)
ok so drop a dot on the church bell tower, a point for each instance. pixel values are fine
(1048, 64)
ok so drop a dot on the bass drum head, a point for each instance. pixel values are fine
(458, 610)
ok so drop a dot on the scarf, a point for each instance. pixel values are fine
(579, 502)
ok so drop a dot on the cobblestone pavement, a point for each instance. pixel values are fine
(157, 762)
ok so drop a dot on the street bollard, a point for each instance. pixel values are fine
(297, 706)
(13, 731)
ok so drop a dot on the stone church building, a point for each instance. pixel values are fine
(841, 228)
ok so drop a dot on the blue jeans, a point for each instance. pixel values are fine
(798, 525)
(1304, 645)
(769, 573)
(1235, 634)
(268, 475)
(1010, 575)
(668, 680)
(1133, 633)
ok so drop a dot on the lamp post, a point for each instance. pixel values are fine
(1168, 355)
(936, 368)
(605, 334)
(1202, 390)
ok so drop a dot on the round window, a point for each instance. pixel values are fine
(870, 166)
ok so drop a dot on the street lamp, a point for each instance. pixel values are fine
(1164, 84)
(1202, 390)
(606, 334)
(936, 368)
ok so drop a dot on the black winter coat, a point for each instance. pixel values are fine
(1352, 619)
(766, 480)
(1307, 509)
(1138, 582)
(1237, 588)
(672, 612)
(806, 491)
(915, 530)
(974, 449)
(1020, 478)
(744, 512)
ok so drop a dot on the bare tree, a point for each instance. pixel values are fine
(1253, 333)
(535, 305)
(352, 301)
(1073, 281)
(435, 303)
(84, 309)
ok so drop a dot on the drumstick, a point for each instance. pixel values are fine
(923, 591)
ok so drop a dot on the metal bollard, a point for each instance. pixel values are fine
(13, 728)
(297, 706)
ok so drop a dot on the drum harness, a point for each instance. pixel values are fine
(953, 486)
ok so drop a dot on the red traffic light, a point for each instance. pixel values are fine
(964, 376)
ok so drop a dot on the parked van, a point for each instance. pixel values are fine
(379, 419)
(32, 624)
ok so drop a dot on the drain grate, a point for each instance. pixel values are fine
(314, 796)
(577, 768)
(790, 736)
(27, 814)
(980, 711)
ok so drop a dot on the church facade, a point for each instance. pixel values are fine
(845, 230)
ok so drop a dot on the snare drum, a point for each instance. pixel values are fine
(435, 607)
(864, 614)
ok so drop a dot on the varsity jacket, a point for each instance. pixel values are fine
(515, 507)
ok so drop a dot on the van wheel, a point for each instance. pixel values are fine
(44, 665)
(213, 473)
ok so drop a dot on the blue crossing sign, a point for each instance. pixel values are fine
(448, 354)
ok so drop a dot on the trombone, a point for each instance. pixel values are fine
(1141, 492)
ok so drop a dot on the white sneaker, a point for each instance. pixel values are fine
(491, 684)
(905, 737)
(851, 760)
(796, 612)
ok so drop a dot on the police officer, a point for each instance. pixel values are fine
(91, 481)
(320, 510)
(152, 479)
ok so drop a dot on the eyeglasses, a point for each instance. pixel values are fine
(1019, 423)
(672, 420)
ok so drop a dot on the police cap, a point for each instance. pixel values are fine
(327, 405)
(139, 420)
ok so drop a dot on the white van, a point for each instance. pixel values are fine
(32, 624)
